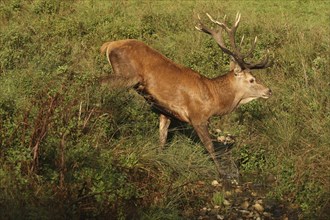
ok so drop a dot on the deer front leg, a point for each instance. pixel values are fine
(164, 123)
(203, 134)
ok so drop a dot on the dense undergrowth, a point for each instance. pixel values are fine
(69, 148)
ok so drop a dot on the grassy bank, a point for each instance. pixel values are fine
(70, 148)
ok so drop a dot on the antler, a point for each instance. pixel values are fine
(236, 53)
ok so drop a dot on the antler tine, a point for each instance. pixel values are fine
(266, 62)
(203, 28)
(223, 25)
(240, 43)
(237, 20)
(248, 54)
(199, 18)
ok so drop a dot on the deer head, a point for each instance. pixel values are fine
(244, 82)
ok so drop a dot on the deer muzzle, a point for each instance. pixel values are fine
(267, 94)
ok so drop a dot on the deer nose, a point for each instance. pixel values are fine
(269, 92)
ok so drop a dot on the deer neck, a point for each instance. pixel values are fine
(226, 94)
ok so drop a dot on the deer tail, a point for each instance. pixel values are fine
(105, 48)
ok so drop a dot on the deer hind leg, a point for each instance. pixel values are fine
(203, 134)
(124, 74)
(164, 123)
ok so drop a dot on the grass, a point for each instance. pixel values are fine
(93, 145)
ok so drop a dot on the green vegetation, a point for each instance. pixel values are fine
(70, 149)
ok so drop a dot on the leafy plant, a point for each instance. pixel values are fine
(218, 198)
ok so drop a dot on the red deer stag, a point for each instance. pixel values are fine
(181, 93)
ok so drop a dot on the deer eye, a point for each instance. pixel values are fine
(252, 80)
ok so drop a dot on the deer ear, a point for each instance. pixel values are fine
(232, 65)
(236, 68)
